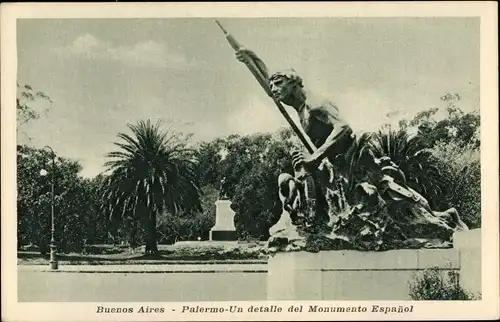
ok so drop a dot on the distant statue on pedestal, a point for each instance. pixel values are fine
(224, 229)
(223, 189)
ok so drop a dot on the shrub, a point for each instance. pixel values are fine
(218, 252)
(460, 164)
(430, 285)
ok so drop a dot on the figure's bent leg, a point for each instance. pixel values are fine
(290, 194)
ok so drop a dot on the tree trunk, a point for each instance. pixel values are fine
(151, 245)
(132, 234)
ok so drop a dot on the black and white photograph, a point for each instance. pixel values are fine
(219, 165)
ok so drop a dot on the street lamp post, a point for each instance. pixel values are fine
(53, 258)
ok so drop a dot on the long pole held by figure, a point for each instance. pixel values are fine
(265, 85)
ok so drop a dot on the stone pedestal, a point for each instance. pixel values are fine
(354, 275)
(224, 222)
(469, 244)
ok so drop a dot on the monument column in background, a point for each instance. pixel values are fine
(224, 229)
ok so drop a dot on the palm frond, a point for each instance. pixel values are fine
(153, 169)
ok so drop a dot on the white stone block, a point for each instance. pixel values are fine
(367, 285)
(224, 222)
(224, 216)
(352, 275)
(357, 260)
(467, 239)
(438, 258)
(469, 244)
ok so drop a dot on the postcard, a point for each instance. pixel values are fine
(249, 161)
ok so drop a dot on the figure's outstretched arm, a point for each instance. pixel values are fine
(260, 72)
(246, 55)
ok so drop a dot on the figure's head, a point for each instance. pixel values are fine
(285, 85)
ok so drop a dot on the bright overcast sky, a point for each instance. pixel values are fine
(103, 74)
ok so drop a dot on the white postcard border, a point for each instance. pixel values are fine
(488, 307)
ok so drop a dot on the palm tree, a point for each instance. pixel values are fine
(153, 173)
(353, 166)
(414, 159)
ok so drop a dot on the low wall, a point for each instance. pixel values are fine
(355, 275)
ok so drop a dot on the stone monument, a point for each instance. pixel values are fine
(224, 229)
(326, 207)
(343, 236)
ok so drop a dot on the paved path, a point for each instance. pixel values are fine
(67, 285)
(170, 268)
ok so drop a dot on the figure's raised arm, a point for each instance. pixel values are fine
(259, 70)
(246, 55)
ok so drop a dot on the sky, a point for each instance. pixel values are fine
(102, 74)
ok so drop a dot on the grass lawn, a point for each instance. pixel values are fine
(183, 252)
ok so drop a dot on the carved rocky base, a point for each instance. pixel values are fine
(358, 231)
(285, 236)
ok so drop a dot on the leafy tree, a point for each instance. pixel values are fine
(190, 226)
(461, 165)
(243, 153)
(210, 158)
(454, 142)
(94, 221)
(256, 203)
(32, 223)
(168, 227)
(153, 173)
(456, 126)
(205, 219)
(26, 97)
(255, 200)
(77, 220)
